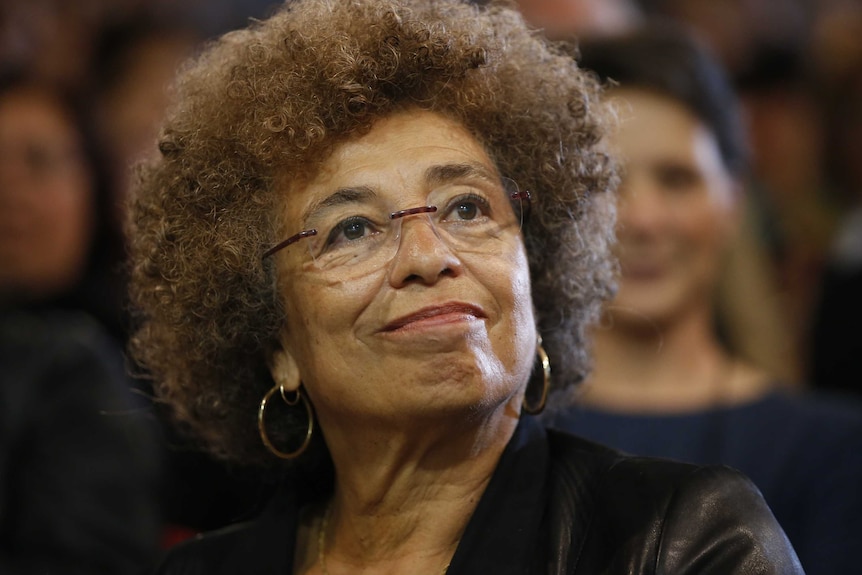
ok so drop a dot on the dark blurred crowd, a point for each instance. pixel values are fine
(93, 477)
(83, 86)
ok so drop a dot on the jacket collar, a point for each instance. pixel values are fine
(502, 535)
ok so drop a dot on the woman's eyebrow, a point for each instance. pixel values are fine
(434, 175)
(339, 197)
(445, 173)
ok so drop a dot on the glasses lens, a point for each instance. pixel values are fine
(361, 239)
(350, 239)
(475, 220)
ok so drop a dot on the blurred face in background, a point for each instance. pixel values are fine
(676, 210)
(46, 197)
(565, 18)
(133, 107)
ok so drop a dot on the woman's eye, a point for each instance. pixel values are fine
(349, 230)
(467, 208)
(353, 230)
(676, 177)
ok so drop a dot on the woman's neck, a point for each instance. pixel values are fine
(402, 500)
(676, 367)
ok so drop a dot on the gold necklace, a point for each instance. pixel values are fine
(321, 543)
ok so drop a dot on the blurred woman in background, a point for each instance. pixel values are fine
(60, 244)
(78, 468)
(665, 384)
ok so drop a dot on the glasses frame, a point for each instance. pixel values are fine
(524, 197)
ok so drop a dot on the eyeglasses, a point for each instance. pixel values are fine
(359, 236)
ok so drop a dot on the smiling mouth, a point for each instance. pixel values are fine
(642, 268)
(446, 313)
(642, 272)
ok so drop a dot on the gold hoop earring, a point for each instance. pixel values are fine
(261, 425)
(546, 380)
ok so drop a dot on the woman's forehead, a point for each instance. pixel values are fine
(403, 154)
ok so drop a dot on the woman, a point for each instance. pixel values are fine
(78, 472)
(331, 246)
(664, 383)
(60, 246)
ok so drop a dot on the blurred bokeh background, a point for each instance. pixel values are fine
(795, 308)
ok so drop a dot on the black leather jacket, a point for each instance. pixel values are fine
(558, 504)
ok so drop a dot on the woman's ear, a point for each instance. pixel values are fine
(284, 370)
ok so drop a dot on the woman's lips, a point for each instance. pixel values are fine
(438, 314)
(642, 270)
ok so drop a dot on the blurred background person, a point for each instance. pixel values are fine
(63, 248)
(135, 59)
(562, 19)
(664, 382)
(782, 56)
(787, 182)
(78, 466)
(52, 36)
(756, 326)
(834, 344)
(60, 246)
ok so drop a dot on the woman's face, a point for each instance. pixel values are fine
(45, 197)
(429, 327)
(676, 210)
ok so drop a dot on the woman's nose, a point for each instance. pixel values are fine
(640, 209)
(15, 187)
(422, 255)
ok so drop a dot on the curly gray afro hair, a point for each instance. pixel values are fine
(274, 99)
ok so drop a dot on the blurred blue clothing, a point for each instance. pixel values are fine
(804, 452)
